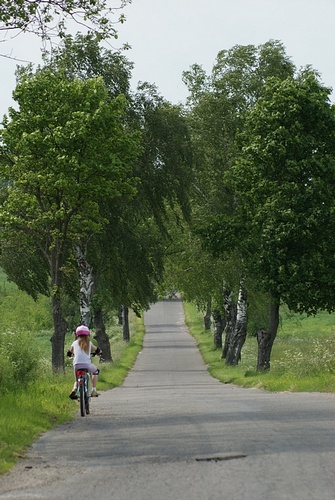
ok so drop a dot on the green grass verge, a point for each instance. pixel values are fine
(25, 414)
(302, 358)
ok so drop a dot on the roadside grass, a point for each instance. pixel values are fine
(44, 403)
(303, 355)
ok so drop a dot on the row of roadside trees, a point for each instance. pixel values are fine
(107, 193)
(88, 172)
(263, 195)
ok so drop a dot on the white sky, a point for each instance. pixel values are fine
(168, 36)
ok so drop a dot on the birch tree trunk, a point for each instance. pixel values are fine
(86, 282)
(240, 331)
(230, 317)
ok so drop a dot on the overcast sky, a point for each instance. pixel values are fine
(168, 36)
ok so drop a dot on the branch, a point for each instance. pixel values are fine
(47, 18)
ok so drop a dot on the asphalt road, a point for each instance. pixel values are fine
(172, 432)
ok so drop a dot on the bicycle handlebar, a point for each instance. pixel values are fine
(94, 353)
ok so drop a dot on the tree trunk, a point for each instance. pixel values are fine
(86, 281)
(207, 317)
(120, 315)
(219, 324)
(126, 331)
(60, 324)
(58, 338)
(240, 331)
(101, 335)
(265, 339)
(230, 316)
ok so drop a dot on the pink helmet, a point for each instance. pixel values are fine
(82, 330)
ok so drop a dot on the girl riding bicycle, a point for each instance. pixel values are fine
(80, 350)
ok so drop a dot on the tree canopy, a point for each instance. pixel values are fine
(284, 182)
(57, 171)
(263, 140)
(87, 163)
(49, 18)
(218, 103)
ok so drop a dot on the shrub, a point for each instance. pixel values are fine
(19, 311)
(19, 359)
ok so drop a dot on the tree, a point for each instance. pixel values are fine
(201, 277)
(165, 167)
(82, 57)
(48, 18)
(57, 172)
(218, 105)
(284, 182)
(126, 259)
(164, 171)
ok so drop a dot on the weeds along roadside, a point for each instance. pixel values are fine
(303, 356)
(27, 410)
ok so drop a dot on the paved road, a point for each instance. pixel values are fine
(171, 432)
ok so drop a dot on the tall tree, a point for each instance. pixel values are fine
(284, 187)
(165, 167)
(57, 171)
(82, 57)
(218, 104)
(132, 245)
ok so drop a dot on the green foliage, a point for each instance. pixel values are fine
(64, 150)
(19, 311)
(218, 104)
(165, 165)
(82, 57)
(284, 184)
(258, 309)
(48, 19)
(194, 272)
(19, 359)
(23, 264)
(127, 255)
(50, 133)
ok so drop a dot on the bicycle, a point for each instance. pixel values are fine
(83, 377)
(83, 381)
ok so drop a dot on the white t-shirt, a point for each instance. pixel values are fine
(80, 356)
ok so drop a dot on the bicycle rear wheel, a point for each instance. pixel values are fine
(87, 396)
(82, 400)
(87, 405)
